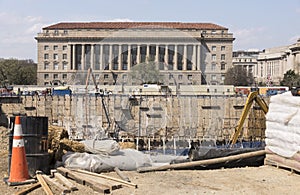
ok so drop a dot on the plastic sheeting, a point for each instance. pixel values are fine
(126, 159)
(282, 126)
(103, 147)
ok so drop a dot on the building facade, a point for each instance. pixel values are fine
(246, 59)
(183, 53)
(273, 63)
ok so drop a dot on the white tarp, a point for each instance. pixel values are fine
(126, 159)
(283, 125)
(104, 147)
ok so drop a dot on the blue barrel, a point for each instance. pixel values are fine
(35, 135)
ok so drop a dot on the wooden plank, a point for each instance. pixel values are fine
(121, 175)
(112, 185)
(84, 180)
(55, 183)
(108, 177)
(44, 184)
(279, 161)
(202, 162)
(65, 181)
(29, 189)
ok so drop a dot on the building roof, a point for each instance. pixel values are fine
(125, 25)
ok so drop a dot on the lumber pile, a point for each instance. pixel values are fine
(58, 182)
(283, 132)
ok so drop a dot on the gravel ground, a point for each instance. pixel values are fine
(249, 180)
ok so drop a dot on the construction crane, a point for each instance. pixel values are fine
(253, 96)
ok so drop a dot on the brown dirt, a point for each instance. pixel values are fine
(249, 180)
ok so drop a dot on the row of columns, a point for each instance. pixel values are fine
(195, 59)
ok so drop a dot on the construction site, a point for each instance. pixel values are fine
(127, 139)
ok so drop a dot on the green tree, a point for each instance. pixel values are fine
(146, 73)
(18, 72)
(238, 76)
(290, 79)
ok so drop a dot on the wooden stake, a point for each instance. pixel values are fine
(44, 184)
(29, 189)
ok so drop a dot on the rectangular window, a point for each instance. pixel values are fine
(46, 65)
(55, 66)
(213, 77)
(180, 77)
(65, 31)
(46, 47)
(97, 76)
(46, 56)
(222, 66)
(65, 66)
(214, 57)
(190, 77)
(214, 48)
(105, 76)
(46, 76)
(55, 56)
(55, 47)
(64, 76)
(223, 78)
(213, 66)
(65, 47)
(64, 56)
(55, 32)
(55, 76)
(223, 48)
(222, 56)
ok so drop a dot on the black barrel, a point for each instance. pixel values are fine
(35, 135)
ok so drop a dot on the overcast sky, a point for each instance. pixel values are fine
(256, 24)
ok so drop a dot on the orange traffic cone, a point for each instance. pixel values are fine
(19, 167)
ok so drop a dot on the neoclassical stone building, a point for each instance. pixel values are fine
(184, 53)
(274, 62)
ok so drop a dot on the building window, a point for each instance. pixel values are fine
(213, 77)
(55, 76)
(55, 56)
(222, 56)
(213, 66)
(46, 47)
(55, 66)
(223, 78)
(180, 77)
(46, 76)
(46, 66)
(46, 56)
(55, 32)
(97, 76)
(214, 57)
(65, 66)
(190, 77)
(64, 47)
(105, 76)
(64, 56)
(223, 48)
(214, 48)
(46, 83)
(55, 47)
(223, 66)
(65, 31)
(64, 76)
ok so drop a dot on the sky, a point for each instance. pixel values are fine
(255, 24)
